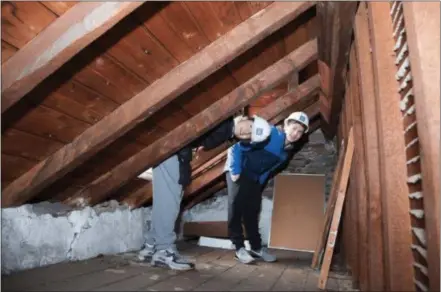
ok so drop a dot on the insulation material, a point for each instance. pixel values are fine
(297, 198)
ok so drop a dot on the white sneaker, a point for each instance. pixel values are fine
(264, 255)
(171, 259)
(146, 253)
(243, 256)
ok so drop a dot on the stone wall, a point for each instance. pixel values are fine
(46, 233)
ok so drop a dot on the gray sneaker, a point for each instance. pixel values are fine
(243, 256)
(264, 255)
(170, 258)
(146, 253)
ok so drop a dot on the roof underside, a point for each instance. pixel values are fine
(142, 48)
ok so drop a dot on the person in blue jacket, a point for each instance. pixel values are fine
(247, 168)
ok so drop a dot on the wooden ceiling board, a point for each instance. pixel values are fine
(180, 19)
(108, 158)
(214, 19)
(162, 31)
(18, 143)
(134, 46)
(58, 7)
(22, 21)
(13, 167)
(7, 51)
(146, 132)
(46, 122)
(141, 49)
(209, 90)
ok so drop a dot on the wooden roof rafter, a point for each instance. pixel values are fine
(199, 124)
(58, 43)
(124, 118)
(293, 100)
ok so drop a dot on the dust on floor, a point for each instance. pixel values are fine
(216, 270)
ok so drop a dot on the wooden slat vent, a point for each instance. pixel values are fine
(413, 163)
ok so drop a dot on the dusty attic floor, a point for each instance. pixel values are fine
(216, 271)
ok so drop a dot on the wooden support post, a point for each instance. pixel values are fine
(422, 21)
(293, 81)
(335, 20)
(156, 96)
(393, 173)
(57, 44)
(374, 261)
(333, 231)
(203, 122)
(359, 174)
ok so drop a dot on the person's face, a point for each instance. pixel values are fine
(243, 129)
(294, 132)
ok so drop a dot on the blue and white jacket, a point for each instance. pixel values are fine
(257, 161)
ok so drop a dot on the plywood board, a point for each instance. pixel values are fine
(297, 217)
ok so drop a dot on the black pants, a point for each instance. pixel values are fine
(244, 203)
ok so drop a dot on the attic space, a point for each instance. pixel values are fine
(103, 100)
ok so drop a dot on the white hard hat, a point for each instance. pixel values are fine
(299, 117)
(260, 130)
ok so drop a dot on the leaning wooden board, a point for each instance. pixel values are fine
(329, 211)
(341, 194)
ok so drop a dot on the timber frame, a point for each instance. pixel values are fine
(95, 93)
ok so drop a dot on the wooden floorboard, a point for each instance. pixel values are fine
(216, 270)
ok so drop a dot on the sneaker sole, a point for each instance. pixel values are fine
(165, 266)
(246, 263)
(256, 257)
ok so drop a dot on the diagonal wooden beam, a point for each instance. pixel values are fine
(201, 123)
(335, 25)
(293, 100)
(154, 97)
(58, 43)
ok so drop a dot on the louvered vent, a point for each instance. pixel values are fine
(407, 107)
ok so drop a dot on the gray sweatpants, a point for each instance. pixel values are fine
(167, 196)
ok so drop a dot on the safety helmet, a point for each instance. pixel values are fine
(260, 130)
(299, 117)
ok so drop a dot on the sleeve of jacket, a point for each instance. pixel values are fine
(298, 146)
(235, 153)
(217, 136)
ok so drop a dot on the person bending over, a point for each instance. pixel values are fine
(171, 176)
(247, 168)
